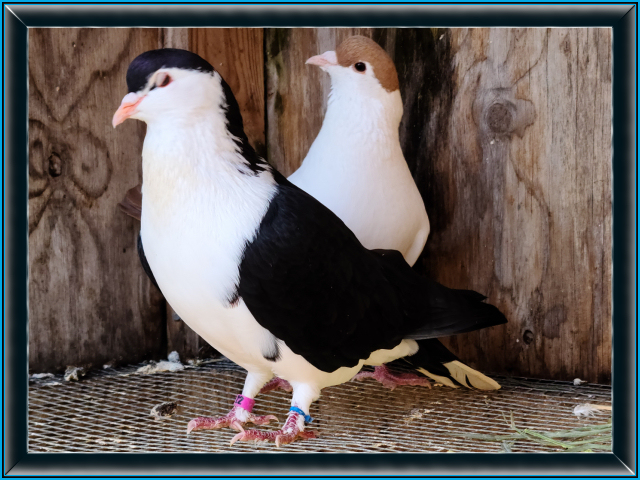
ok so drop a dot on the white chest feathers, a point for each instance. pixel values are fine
(356, 168)
(200, 208)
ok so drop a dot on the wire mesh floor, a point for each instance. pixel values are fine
(109, 411)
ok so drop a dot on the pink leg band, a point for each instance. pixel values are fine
(245, 402)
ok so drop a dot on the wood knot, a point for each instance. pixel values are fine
(500, 118)
(499, 114)
(528, 337)
(55, 165)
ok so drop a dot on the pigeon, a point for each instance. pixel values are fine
(362, 176)
(259, 268)
(356, 168)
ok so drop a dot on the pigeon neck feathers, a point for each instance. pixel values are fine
(357, 131)
(350, 112)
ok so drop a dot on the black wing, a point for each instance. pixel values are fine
(308, 280)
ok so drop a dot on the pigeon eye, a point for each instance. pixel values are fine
(360, 67)
(163, 80)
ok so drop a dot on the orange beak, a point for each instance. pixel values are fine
(127, 108)
(326, 59)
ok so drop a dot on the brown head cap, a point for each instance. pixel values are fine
(362, 49)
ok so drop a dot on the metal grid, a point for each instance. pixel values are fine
(109, 411)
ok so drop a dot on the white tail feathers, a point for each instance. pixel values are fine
(465, 375)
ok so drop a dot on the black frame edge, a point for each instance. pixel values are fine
(15, 229)
(624, 238)
(324, 14)
(381, 464)
(622, 462)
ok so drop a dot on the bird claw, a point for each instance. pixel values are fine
(229, 420)
(261, 420)
(237, 426)
(287, 438)
(390, 380)
(275, 384)
(287, 434)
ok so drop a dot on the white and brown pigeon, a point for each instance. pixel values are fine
(256, 266)
(356, 168)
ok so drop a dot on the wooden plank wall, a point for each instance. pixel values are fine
(508, 135)
(89, 301)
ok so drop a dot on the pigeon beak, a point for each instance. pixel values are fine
(127, 108)
(327, 59)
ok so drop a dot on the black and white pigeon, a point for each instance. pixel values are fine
(261, 270)
(356, 168)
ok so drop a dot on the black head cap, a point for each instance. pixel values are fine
(144, 65)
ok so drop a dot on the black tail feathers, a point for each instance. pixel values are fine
(449, 312)
(431, 309)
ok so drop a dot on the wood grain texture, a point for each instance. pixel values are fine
(89, 301)
(237, 54)
(534, 174)
(508, 135)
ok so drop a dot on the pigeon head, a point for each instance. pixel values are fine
(172, 83)
(179, 87)
(359, 63)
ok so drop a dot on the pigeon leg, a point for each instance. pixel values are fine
(275, 384)
(241, 411)
(390, 380)
(292, 429)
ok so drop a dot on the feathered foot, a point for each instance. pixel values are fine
(390, 380)
(275, 384)
(289, 432)
(234, 419)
